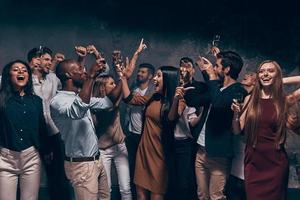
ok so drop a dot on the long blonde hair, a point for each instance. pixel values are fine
(99, 87)
(254, 108)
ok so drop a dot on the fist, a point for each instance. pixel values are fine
(81, 51)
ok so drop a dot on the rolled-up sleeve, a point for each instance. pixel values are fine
(100, 103)
(75, 109)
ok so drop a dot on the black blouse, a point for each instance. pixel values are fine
(22, 124)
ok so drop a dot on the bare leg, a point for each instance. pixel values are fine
(141, 193)
(155, 196)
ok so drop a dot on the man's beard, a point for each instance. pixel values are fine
(221, 78)
(140, 81)
(78, 84)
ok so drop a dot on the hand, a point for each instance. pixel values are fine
(236, 107)
(179, 92)
(204, 64)
(141, 47)
(116, 56)
(58, 57)
(292, 121)
(96, 69)
(81, 51)
(121, 68)
(215, 50)
(91, 49)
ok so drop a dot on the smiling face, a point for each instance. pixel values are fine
(158, 81)
(143, 75)
(77, 73)
(35, 63)
(267, 74)
(186, 72)
(19, 76)
(219, 69)
(46, 63)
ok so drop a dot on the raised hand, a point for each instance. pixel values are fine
(236, 107)
(141, 47)
(215, 50)
(91, 49)
(121, 68)
(58, 57)
(96, 69)
(203, 64)
(116, 57)
(81, 51)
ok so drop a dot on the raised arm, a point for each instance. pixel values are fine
(86, 91)
(58, 57)
(82, 53)
(130, 68)
(291, 80)
(239, 115)
(176, 110)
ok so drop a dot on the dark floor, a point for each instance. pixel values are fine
(293, 194)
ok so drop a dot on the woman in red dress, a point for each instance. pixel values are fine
(264, 123)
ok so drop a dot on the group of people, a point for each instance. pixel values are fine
(181, 139)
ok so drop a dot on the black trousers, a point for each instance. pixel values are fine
(235, 189)
(132, 142)
(182, 181)
(58, 184)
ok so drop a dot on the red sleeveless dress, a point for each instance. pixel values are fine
(266, 168)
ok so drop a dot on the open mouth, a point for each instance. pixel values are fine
(266, 79)
(20, 78)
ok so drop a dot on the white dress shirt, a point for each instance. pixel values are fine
(73, 119)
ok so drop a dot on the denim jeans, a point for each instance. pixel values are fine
(118, 153)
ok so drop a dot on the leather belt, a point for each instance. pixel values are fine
(82, 159)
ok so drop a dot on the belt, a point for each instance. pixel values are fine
(82, 159)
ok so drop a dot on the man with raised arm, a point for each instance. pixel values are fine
(70, 110)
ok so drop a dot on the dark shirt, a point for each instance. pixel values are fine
(218, 133)
(22, 124)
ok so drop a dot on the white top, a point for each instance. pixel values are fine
(46, 89)
(182, 128)
(237, 167)
(73, 119)
(201, 138)
(136, 114)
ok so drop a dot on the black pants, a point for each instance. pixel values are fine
(132, 143)
(182, 182)
(235, 188)
(58, 185)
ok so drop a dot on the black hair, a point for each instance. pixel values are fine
(170, 82)
(232, 60)
(60, 70)
(151, 68)
(38, 52)
(6, 89)
(186, 60)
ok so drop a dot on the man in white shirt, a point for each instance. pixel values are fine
(134, 115)
(70, 110)
(45, 85)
